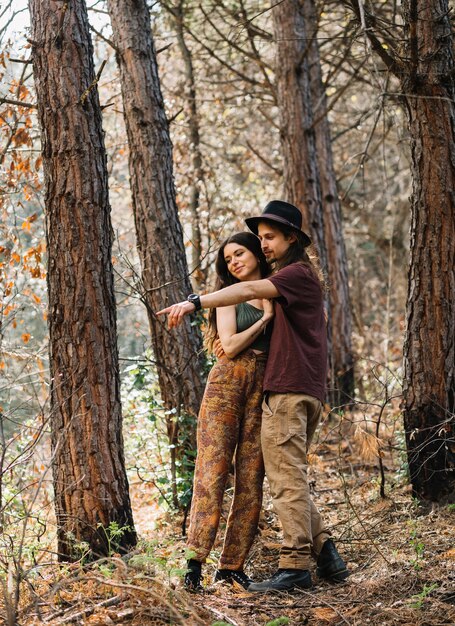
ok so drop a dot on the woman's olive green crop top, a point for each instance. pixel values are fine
(246, 315)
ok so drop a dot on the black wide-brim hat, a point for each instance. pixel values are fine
(281, 212)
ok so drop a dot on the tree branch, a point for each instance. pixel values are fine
(93, 84)
(101, 36)
(264, 160)
(20, 60)
(392, 64)
(214, 55)
(413, 44)
(19, 103)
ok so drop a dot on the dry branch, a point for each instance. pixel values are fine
(18, 103)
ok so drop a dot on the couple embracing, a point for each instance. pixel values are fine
(262, 403)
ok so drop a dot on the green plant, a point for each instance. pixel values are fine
(418, 547)
(80, 549)
(451, 508)
(418, 600)
(402, 472)
(113, 533)
(279, 621)
(167, 465)
(153, 557)
(106, 569)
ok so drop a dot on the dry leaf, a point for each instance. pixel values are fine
(326, 614)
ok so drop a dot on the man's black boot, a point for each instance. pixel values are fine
(284, 580)
(330, 565)
(233, 576)
(193, 576)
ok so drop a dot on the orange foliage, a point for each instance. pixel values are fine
(22, 138)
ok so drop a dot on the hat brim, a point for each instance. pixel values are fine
(253, 223)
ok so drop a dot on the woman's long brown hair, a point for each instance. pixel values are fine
(225, 278)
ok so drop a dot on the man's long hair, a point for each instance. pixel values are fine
(298, 252)
(224, 278)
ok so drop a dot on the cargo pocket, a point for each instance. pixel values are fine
(293, 420)
(277, 421)
(285, 429)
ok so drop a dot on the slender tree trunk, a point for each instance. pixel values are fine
(342, 360)
(178, 354)
(198, 277)
(298, 139)
(309, 177)
(429, 349)
(91, 488)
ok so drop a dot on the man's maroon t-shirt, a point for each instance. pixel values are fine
(297, 359)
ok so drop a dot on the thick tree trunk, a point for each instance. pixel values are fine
(91, 488)
(342, 361)
(309, 177)
(178, 354)
(429, 350)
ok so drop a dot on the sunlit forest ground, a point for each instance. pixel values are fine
(401, 555)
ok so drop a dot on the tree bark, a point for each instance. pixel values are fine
(178, 354)
(91, 488)
(198, 277)
(427, 76)
(429, 348)
(309, 177)
(298, 140)
(341, 377)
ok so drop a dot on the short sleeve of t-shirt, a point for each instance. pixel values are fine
(298, 351)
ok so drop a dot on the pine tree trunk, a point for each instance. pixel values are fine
(178, 354)
(309, 176)
(341, 379)
(298, 140)
(91, 488)
(429, 350)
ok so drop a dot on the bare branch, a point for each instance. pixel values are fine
(19, 103)
(368, 21)
(101, 36)
(20, 60)
(93, 83)
(264, 160)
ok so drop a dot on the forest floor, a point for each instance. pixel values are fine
(402, 559)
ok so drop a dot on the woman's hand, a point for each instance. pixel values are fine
(269, 310)
(218, 348)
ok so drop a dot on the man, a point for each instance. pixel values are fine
(294, 388)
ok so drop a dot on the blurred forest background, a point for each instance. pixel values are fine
(223, 94)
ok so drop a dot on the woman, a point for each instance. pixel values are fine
(230, 419)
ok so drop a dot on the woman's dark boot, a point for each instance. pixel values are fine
(233, 576)
(193, 576)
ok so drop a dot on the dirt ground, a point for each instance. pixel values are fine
(402, 559)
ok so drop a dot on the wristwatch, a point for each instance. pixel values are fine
(195, 299)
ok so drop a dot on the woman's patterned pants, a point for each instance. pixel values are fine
(229, 422)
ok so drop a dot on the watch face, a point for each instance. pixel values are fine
(193, 298)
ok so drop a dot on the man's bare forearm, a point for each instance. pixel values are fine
(239, 292)
(234, 294)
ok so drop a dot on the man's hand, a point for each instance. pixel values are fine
(176, 312)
